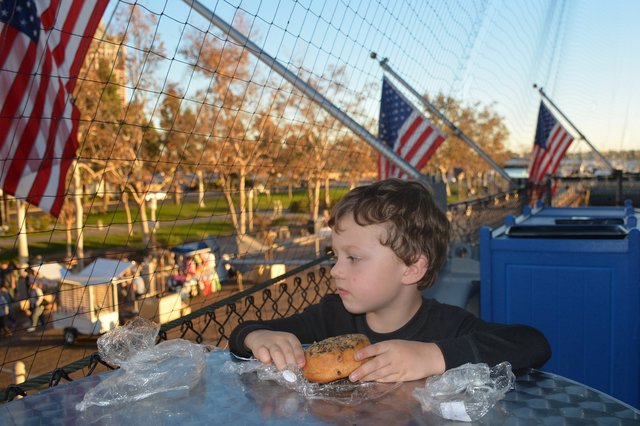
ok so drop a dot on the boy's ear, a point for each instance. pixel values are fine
(416, 271)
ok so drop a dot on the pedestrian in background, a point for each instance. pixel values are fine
(36, 303)
(5, 304)
(139, 287)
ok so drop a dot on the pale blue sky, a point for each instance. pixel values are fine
(583, 52)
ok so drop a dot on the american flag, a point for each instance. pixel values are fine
(42, 46)
(406, 131)
(551, 142)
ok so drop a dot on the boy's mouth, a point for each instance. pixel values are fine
(342, 292)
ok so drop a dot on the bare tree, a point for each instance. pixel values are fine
(231, 117)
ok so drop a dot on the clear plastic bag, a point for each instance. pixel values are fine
(342, 391)
(466, 393)
(172, 367)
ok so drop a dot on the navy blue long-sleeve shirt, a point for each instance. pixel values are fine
(461, 336)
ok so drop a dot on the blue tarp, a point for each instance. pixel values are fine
(189, 249)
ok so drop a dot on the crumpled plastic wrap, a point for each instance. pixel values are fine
(172, 367)
(466, 393)
(342, 391)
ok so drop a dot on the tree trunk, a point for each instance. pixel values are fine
(315, 212)
(313, 191)
(3, 213)
(77, 198)
(316, 204)
(226, 188)
(327, 193)
(106, 199)
(310, 197)
(443, 176)
(177, 194)
(471, 188)
(250, 195)
(23, 245)
(200, 188)
(144, 223)
(127, 210)
(242, 198)
(69, 235)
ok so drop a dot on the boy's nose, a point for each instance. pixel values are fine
(336, 270)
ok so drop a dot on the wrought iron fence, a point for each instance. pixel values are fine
(467, 217)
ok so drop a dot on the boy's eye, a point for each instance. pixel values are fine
(353, 259)
(331, 253)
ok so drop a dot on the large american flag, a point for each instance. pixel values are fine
(42, 46)
(551, 142)
(406, 131)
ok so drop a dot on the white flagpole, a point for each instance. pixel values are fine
(582, 137)
(433, 109)
(292, 78)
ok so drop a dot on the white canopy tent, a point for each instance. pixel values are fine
(88, 300)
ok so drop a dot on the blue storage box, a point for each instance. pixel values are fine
(573, 273)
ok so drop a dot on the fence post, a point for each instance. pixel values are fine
(617, 174)
(548, 196)
(19, 374)
(239, 280)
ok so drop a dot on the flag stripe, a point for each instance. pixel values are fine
(64, 37)
(419, 147)
(541, 154)
(93, 15)
(48, 15)
(42, 178)
(430, 151)
(68, 155)
(14, 101)
(552, 161)
(8, 35)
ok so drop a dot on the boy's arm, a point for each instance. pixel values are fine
(324, 319)
(308, 326)
(521, 345)
(462, 338)
(275, 347)
(239, 334)
(398, 361)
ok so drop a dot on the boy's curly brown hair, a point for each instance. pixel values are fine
(415, 224)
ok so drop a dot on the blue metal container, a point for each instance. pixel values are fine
(573, 273)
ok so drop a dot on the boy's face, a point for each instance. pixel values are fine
(368, 275)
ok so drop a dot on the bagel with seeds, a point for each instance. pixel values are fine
(333, 358)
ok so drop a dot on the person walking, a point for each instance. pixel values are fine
(36, 302)
(5, 304)
(8, 285)
(139, 286)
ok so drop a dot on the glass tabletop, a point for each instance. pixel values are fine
(225, 397)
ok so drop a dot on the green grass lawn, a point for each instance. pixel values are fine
(176, 226)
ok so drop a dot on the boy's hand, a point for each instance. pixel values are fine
(398, 361)
(277, 347)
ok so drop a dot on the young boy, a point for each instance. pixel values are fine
(390, 239)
